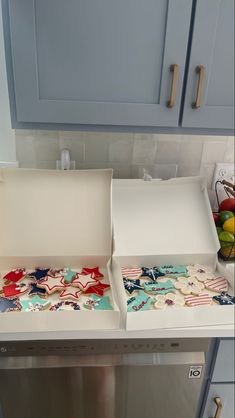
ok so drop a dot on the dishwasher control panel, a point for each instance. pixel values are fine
(95, 347)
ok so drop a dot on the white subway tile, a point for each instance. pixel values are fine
(96, 146)
(25, 148)
(120, 148)
(214, 151)
(190, 153)
(207, 170)
(144, 149)
(168, 149)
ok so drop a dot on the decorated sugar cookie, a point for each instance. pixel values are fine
(131, 273)
(132, 286)
(8, 305)
(173, 271)
(35, 290)
(200, 300)
(151, 273)
(189, 285)
(98, 303)
(70, 292)
(65, 306)
(39, 273)
(93, 271)
(15, 289)
(84, 281)
(202, 273)
(170, 300)
(15, 275)
(224, 299)
(155, 287)
(97, 289)
(68, 275)
(140, 302)
(219, 284)
(34, 304)
(52, 284)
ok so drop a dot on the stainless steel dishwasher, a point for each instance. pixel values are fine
(101, 378)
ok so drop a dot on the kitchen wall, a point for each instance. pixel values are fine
(162, 155)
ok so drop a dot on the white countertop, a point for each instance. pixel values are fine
(193, 332)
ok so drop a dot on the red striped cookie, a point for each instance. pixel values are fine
(220, 284)
(131, 273)
(202, 299)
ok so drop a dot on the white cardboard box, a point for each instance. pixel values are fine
(165, 222)
(56, 219)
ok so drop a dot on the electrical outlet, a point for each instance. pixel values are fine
(223, 171)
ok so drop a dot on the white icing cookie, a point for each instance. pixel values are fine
(169, 300)
(189, 285)
(202, 273)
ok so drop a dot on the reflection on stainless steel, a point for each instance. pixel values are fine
(130, 384)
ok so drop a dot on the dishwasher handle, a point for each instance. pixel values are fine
(97, 360)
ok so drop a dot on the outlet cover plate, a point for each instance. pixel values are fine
(223, 171)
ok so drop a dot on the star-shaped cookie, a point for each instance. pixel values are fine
(132, 285)
(39, 274)
(52, 284)
(7, 305)
(95, 271)
(97, 289)
(151, 273)
(70, 292)
(35, 290)
(84, 281)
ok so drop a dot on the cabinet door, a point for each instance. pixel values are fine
(212, 48)
(225, 392)
(105, 62)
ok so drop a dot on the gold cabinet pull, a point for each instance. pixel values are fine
(174, 68)
(200, 70)
(219, 407)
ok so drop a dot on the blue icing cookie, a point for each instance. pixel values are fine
(39, 274)
(7, 305)
(142, 302)
(98, 303)
(152, 273)
(159, 288)
(132, 285)
(224, 299)
(174, 271)
(35, 290)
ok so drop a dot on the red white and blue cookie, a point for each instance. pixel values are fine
(65, 306)
(70, 292)
(219, 284)
(151, 273)
(97, 289)
(52, 284)
(8, 305)
(15, 275)
(200, 300)
(95, 302)
(132, 286)
(93, 271)
(39, 273)
(224, 299)
(15, 289)
(131, 273)
(84, 281)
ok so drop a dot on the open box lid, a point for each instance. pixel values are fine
(55, 213)
(157, 217)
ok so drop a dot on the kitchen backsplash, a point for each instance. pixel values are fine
(162, 156)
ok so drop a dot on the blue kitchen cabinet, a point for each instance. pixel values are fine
(220, 399)
(209, 100)
(98, 62)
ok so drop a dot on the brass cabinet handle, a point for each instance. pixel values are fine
(219, 407)
(174, 68)
(200, 70)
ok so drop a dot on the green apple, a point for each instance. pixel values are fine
(226, 239)
(225, 215)
(219, 230)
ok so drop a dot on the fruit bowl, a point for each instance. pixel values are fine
(227, 250)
